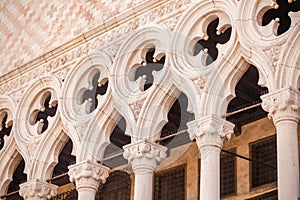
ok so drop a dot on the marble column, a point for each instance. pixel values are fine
(283, 107)
(87, 176)
(37, 189)
(210, 133)
(144, 156)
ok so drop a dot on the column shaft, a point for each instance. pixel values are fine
(210, 173)
(287, 160)
(144, 156)
(143, 186)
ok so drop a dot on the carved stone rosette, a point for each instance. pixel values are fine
(144, 155)
(210, 131)
(37, 189)
(282, 104)
(88, 174)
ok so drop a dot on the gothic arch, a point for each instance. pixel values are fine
(288, 72)
(142, 109)
(87, 109)
(39, 106)
(9, 160)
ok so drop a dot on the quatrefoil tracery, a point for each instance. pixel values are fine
(90, 96)
(209, 43)
(5, 128)
(147, 67)
(280, 14)
(40, 116)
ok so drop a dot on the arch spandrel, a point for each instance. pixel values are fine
(143, 108)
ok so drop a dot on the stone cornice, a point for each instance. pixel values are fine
(107, 34)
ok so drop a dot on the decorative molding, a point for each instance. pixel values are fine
(144, 155)
(210, 131)
(282, 104)
(37, 189)
(88, 174)
(136, 108)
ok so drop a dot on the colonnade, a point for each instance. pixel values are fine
(209, 132)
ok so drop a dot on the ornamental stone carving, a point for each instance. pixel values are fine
(37, 189)
(144, 155)
(210, 131)
(88, 174)
(282, 104)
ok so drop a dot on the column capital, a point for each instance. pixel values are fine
(144, 155)
(210, 131)
(88, 174)
(282, 104)
(37, 189)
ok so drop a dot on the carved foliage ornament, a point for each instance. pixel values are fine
(37, 189)
(144, 153)
(210, 131)
(282, 104)
(88, 172)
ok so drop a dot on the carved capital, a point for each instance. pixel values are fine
(37, 189)
(88, 174)
(144, 155)
(282, 104)
(210, 131)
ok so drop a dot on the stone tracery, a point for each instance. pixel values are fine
(99, 88)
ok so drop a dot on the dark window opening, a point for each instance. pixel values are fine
(281, 13)
(19, 177)
(170, 185)
(178, 116)
(117, 187)
(149, 65)
(65, 159)
(264, 151)
(98, 88)
(209, 45)
(5, 129)
(228, 173)
(113, 155)
(245, 107)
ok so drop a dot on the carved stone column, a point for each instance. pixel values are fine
(144, 156)
(87, 176)
(283, 107)
(37, 189)
(210, 133)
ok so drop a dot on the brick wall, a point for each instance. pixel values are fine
(30, 28)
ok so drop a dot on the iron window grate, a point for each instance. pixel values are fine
(170, 185)
(228, 173)
(264, 151)
(117, 187)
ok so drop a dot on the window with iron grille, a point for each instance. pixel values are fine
(264, 165)
(170, 185)
(228, 173)
(68, 195)
(273, 195)
(117, 187)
